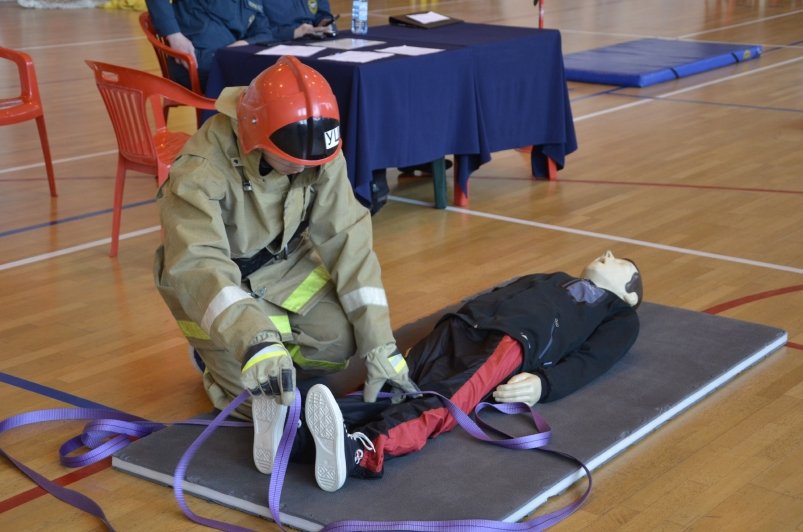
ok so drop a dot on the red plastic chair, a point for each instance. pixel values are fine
(134, 101)
(27, 106)
(164, 54)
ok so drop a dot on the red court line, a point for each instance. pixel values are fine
(716, 309)
(69, 478)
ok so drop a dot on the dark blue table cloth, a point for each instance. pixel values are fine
(492, 88)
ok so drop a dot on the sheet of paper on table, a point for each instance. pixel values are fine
(289, 49)
(428, 18)
(347, 43)
(409, 50)
(357, 57)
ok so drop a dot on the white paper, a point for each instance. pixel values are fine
(357, 57)
(409, 50)
(347, 43)
(289, 49)
(428, 18)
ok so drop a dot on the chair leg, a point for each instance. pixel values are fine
(51, 175)
(460, 196)
(117, 209)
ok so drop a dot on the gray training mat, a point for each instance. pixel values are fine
(679, 358)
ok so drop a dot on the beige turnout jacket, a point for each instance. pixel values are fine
(210, 217)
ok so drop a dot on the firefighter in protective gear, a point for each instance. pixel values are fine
(267, 262)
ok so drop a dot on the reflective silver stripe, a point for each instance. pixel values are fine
(223, 300)
(361, 297)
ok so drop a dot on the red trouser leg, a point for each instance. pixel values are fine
(431, 418)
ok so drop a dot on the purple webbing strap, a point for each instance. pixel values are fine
(280, 462)
(282, 458)
(184, 462)
(533, 441)
(108, 432)
(100, 449)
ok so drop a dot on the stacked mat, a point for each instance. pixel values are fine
(649, 61)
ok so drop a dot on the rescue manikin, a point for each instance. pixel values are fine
(619, 276)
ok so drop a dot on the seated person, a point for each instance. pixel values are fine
(294, 19)
(202, 27)
(547, 335)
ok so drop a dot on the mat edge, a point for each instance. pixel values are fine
(613, 451)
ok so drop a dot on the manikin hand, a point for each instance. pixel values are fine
(386, 364)
(270, 371)
(521, 388)
(178, 41)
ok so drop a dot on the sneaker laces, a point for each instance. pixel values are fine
(364, 440)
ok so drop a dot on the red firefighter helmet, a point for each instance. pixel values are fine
(289, 110)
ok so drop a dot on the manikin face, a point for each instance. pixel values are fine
(606, 271)
(281, 165)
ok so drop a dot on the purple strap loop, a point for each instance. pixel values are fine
(534, 441)
(108, 431)
(184, 462)
(280, 463)
(112, 430)
(71, 497)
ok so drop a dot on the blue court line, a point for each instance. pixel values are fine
(53, 393)
(70, 219)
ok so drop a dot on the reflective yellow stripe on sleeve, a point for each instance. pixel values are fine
(192, 330)
(306, 290)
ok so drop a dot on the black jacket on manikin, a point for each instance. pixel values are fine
(570, 330)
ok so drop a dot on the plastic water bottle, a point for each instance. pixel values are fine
(359, 17)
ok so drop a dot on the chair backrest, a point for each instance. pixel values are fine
(128, 93)
(164, 53)
(28, 85)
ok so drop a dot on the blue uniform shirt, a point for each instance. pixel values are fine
(212, 24)
(286, 15)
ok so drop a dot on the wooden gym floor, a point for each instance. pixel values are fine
(698, 180)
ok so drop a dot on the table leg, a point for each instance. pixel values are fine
(460, 195)
(439, 182)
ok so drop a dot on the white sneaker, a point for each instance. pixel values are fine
(336, 451)
(325, 423)
(269, 417)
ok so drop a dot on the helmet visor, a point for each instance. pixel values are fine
(313, 139)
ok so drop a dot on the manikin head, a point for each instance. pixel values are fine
(620, 276)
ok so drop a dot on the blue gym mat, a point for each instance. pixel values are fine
(649, 61)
